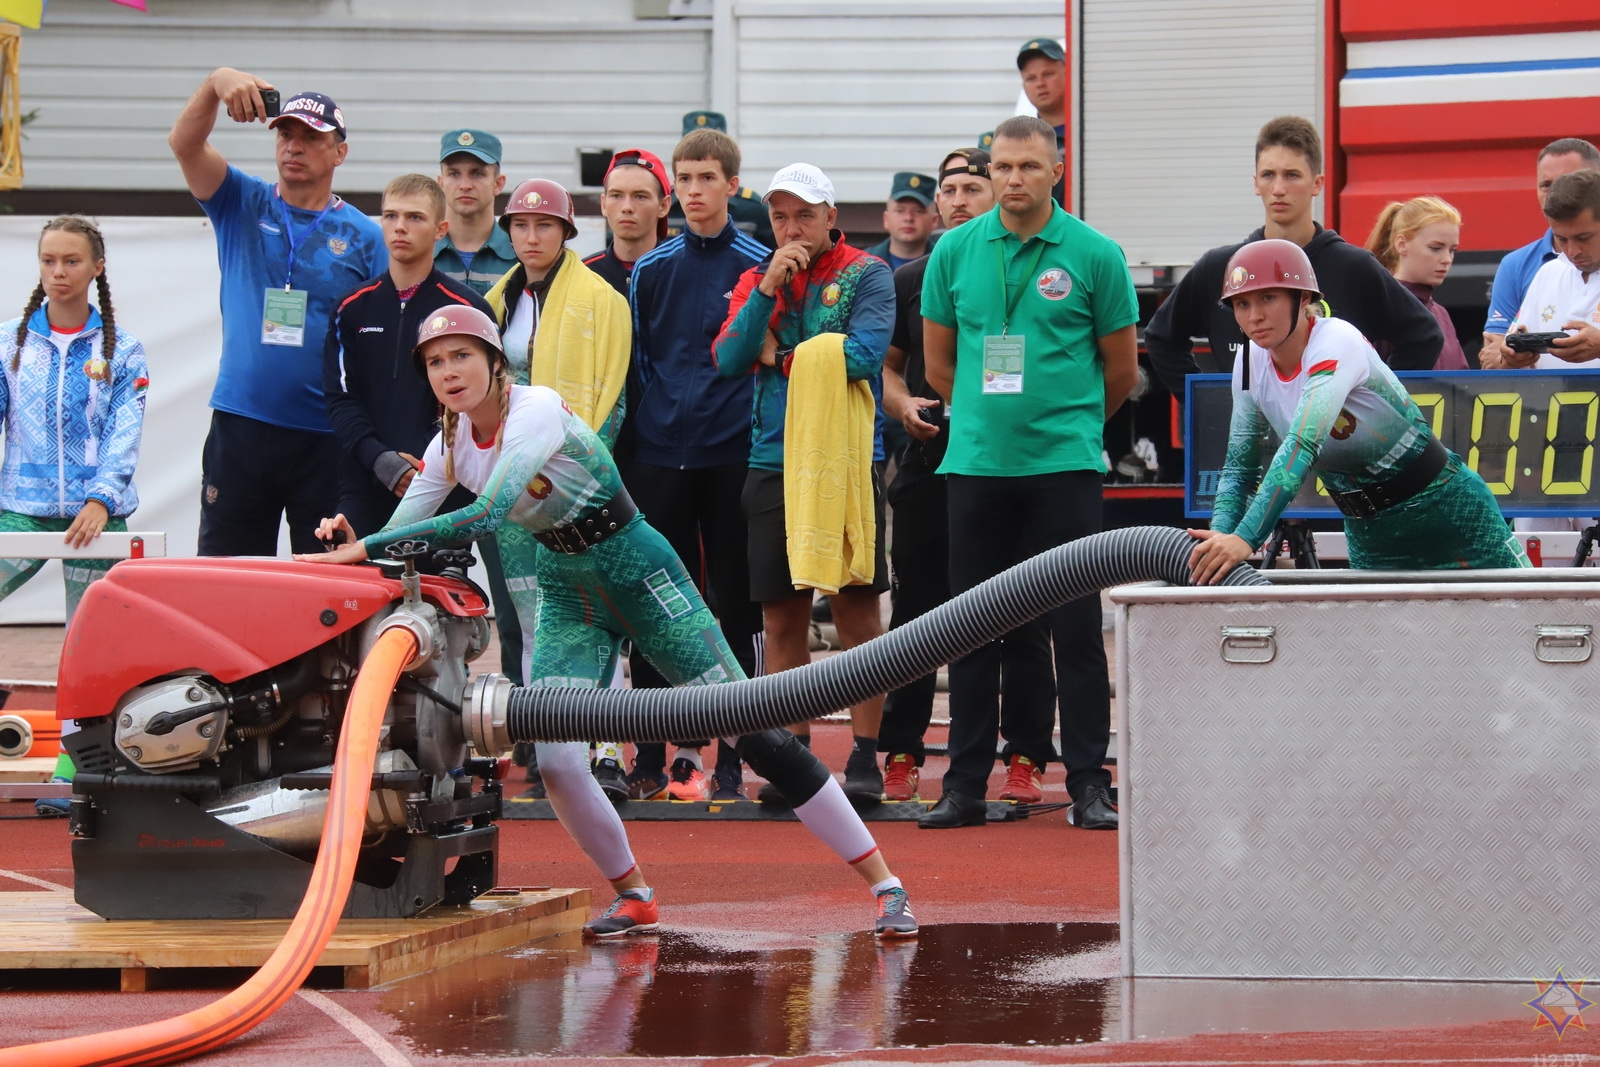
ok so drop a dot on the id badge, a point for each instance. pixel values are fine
(1002, 363)
(283, 317)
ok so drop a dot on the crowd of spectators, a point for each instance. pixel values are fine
(757, 378)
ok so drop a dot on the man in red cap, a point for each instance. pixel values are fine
(637, 195)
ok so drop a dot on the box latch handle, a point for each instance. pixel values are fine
(1563, 644)
(1249, 644)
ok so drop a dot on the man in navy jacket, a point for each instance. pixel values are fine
(383, 412)
(691, 428)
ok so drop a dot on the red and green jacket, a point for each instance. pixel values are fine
(844, 291)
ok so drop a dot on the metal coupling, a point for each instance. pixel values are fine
(483, 714)
(421, 624)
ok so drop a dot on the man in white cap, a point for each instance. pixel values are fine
(815, 283)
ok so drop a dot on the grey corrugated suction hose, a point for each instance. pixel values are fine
(999, 605)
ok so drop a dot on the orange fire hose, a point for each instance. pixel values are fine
(223, 1020)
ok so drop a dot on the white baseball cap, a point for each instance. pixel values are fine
(803, 180)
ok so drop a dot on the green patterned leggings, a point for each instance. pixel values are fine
(77, 572)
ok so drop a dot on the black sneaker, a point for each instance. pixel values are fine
(1093, 810)
(535, 790)
(728, 784)
(613, 783)
(894, 915)
(863, 782)
(645, 785)
(771, 794)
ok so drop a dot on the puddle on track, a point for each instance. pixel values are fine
(702, 993)
(689, 993)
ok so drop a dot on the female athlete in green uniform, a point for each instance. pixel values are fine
(1409, 502)
(549, 491)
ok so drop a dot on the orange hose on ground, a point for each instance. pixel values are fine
(223, 1020)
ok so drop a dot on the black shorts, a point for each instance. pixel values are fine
(769, 538)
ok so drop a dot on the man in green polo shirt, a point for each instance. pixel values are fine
(1028, 334)
(475, 252)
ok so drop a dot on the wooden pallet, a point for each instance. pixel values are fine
(48, 931)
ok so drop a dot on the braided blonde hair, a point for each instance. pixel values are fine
(97, 250)
(449, 422)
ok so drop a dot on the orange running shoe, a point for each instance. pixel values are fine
(689, 782)
(626, 915)
(1024, 782)
(900, 776)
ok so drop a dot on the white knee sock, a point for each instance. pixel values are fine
(582, 807)
(830, 817)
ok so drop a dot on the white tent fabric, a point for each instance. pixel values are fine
(164, 279)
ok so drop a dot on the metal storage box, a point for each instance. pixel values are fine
(1349, 775)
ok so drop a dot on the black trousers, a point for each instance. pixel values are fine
(920, 554)
(699, 513)
(253, 473)
(996, 523)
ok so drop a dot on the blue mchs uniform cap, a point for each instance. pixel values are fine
(911, 186)
(1048, 47)
(484, 146)
(705, 120)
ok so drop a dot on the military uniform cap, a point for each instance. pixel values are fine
(909, 185)
(705, 120)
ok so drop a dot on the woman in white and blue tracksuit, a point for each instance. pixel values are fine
(72, 391)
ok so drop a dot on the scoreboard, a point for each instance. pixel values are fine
(1530, 434)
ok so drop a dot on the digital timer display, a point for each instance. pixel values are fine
(1530, 434)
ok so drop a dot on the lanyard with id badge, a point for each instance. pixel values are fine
(283, 311)
(1003, 356)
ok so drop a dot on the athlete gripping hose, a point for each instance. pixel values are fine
(549, 491)
(1409, 503)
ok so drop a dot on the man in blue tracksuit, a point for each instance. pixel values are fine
(692, 426)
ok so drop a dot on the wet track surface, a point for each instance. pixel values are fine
(697, 994)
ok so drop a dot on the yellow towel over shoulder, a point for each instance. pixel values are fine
(582, 347)
(827, 470)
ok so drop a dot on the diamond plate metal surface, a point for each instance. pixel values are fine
(1404, 791)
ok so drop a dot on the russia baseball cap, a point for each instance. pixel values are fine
(705, 120)
(908, 185)
(484, 146)
(1048, 47)
(315, 110)
(804, 181)
(639, 157)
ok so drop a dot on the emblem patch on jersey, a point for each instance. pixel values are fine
(1343, 426)
(1054, 284)
(141, 384)
(1327, 366)
(830, 294)
(1547, 313)
(540, 487)
(338, 246)
(97, 369)
(269, 227)
(1238, 277)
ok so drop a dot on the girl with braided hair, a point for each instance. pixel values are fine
(72, 390)
(549, 491)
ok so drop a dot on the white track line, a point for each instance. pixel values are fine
(31, 880)
(380, 1046)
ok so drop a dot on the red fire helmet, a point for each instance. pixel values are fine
(540, 196)
(466, 320)
(1273, 264)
